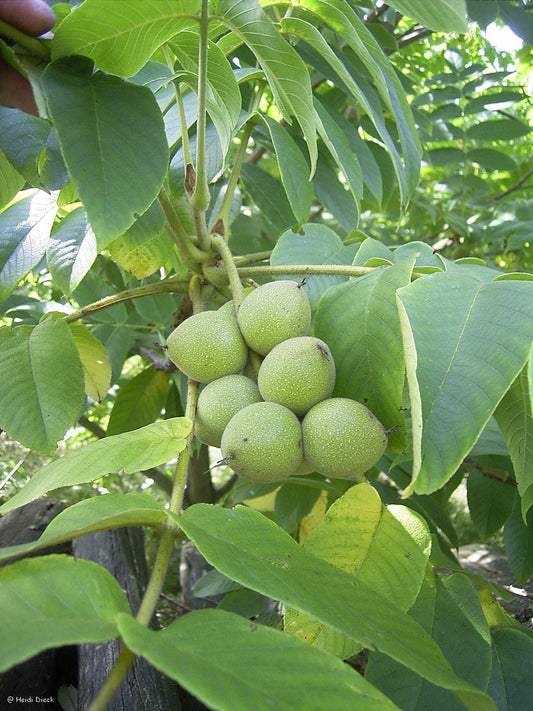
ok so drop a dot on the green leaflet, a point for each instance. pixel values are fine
(122, 42)
(250, 549)
(465, 341)
(55, 601)
(25, 226)
(128, 452)
(110, 114)
(386, 548)
(94, 514)
(42, 384)
(439, 15)
(233, 664)
(284, 69)
(359, 321)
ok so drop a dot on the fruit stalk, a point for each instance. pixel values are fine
(237, 290)
(192, 256)
(172, 285)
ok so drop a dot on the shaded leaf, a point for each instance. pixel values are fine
(245, 546)
(511, 682)
(127, 453)
(22, 137)
(450, 610)
(515, 419)
(492, 159)
(269, 196)
(359, 321)
(333, 195)
(233, 664)
(53, 602)
(41, 383)
(465, 341)
(285, 71)
(293, 168)
(94, 514)
(71, 250)
(498, 129)
(139, 401)
(25, 226)
(333, 131)
(99, 119)
(518, 539)
(490, 502)
(318, 244)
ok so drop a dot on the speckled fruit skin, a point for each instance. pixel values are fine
(272, 313)
(297, 373)
(208, 345)
(342, 438)
(263, 442)
(218, 402)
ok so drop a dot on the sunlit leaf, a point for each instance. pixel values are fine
(122, 42)
(465, 342)
(94, 514)
(127, 453)
(71, 250)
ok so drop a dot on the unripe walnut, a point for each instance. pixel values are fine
(272, 313)
(208, 345)
(342, 438)
(263, 442)
(297, 373)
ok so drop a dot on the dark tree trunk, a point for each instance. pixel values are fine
(121, 551)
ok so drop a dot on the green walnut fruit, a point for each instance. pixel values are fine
(272, 313)
(218, 402)
(297, 373)
(208, 345)
(342, 438)
(263, 442)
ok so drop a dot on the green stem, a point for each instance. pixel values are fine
(112, 684)
(162, 560)
(187, 155)
(237, 290)
(172, 285)
(35, 46)
(225, 208)
(200, 197)
(189, 252)
(243, 259)
(305, 270)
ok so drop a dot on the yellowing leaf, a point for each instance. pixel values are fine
(93, 357)
(313, 518)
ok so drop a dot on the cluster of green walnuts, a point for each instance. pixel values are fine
(280, 420)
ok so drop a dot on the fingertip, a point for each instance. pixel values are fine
(34, 17)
